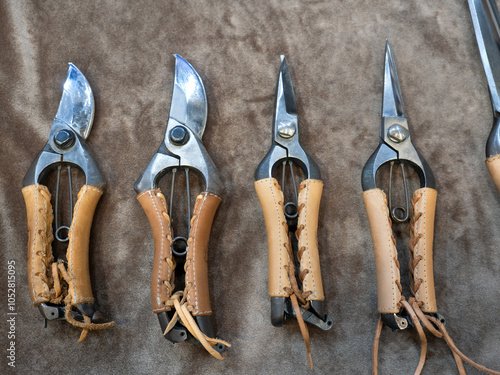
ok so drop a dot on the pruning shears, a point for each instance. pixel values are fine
(295, 284)
(395, 147)
(181, 300)
(61, 288)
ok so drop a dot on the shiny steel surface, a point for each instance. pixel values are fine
(392, 145)
(71, 126)
(285, 141)
(188, 114)
(189, 100)
(486, 20)
(76, 108)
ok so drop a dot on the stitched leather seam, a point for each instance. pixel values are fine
(70, 235)
(492, 159)
(276, 206)
(388, 231)
(306, 234)
(204, 312)
(195, 287)
(33, 251)
(154, 201)
(421, 226)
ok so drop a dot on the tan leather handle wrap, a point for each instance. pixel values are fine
(386, 265)
(196, 258)
(271, 201)
(309, 199)
(77, 253)
(40, 237)
(422, 236)
(493, 165)
(162, 278)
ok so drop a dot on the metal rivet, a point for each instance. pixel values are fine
(397, 133)
(64, 139)
(179, 135)
(287, 129)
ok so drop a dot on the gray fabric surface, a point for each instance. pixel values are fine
(335, 52)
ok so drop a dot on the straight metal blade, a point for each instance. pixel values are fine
(392, 104)
(485, 19)
(76, 108)
(189, 100)
(285, 114)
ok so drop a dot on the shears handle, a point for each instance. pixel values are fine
(307, 228)
(272, 202)
(204, 211)
(493, 164)
(198, 298)
(386, 256)
(44, 284)
(421, 248)
(162, 279)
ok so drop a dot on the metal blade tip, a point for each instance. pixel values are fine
(392, 104)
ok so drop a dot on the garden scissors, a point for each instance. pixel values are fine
(182, 304)
(292, 226)
(61, 288)
(395, 147)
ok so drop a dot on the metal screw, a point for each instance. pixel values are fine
(397, 133)
(179, 135)
(287, 129)
(64, 139)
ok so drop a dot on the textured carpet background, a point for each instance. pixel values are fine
(335, 51)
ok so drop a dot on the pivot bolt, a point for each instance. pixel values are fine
(397, 133)
(64, 139)
(287, 129)
(179, 135)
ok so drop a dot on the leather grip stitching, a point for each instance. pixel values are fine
(194, 253)
(158, 299)
(72, 229)
(306, 233)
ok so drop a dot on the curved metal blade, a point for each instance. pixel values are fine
(485, 18)
(189, 100)
(392, 104)
(76, 107)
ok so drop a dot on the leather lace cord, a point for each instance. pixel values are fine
(183, 313)
(296, 297)
(87, 324)
(412, 307)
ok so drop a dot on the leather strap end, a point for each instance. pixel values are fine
(162, 279)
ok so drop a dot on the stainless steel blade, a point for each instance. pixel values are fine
(76, 108)
(485, 19)
(392, 104)
(189, 100)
